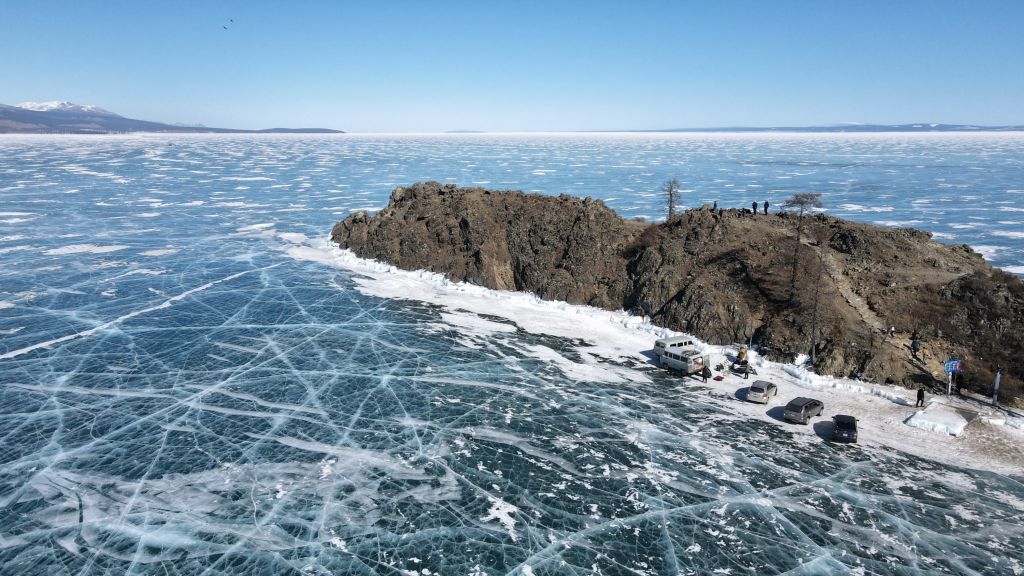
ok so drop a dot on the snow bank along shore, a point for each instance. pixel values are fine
(951, 430)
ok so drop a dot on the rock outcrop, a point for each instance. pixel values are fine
(724, 275)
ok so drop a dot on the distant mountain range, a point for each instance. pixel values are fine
(71, 118)
(857, 128)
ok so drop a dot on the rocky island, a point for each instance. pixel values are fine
(847, 294)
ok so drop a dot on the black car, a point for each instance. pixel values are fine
(800, 410)
(844, 428)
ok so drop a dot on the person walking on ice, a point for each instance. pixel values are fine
(920, 398)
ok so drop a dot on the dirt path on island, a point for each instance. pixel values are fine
(927, 362)
(846, 290)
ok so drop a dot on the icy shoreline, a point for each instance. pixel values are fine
(990, 441)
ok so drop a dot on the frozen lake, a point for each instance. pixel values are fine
(191, 383)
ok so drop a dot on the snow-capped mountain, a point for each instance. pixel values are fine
(59, 117)
(62, 106)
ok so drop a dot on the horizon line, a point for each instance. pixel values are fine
(810, 130)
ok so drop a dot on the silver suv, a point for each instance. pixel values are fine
(761, 390)
(800, 410)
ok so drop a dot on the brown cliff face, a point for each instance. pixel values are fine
(723, 275)
(558, 248)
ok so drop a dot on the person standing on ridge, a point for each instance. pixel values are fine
(915, 346)
(765, 208)
(753, 205)
(920, 398)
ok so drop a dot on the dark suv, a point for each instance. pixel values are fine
(800, 410)
(844, 428)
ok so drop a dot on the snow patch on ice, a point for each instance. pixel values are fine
(144, 272)
(897, 223)
(475, 325)
(256, 227)
(861, 208)
(160, 252)
(986, 251)
(339, 543)
(83, 248)
(1008, 234)
(293, 237)
(573, 370)
(502, 512)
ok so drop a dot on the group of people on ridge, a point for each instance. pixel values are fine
(753, 207)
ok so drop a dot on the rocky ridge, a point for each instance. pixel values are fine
(723, 275)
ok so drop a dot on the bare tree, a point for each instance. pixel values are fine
(671, 190)
(799, 203)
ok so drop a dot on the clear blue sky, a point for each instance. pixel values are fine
(521, 65)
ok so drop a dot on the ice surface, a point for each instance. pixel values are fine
(269, 404)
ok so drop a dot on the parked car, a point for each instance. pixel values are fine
(675, 344)
(800, 410)
(685, 361)
(761, 391)
(844, 428)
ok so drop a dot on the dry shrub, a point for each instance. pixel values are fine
(651, 236)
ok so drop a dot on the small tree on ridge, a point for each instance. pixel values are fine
(671, 190)
(799, 203)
